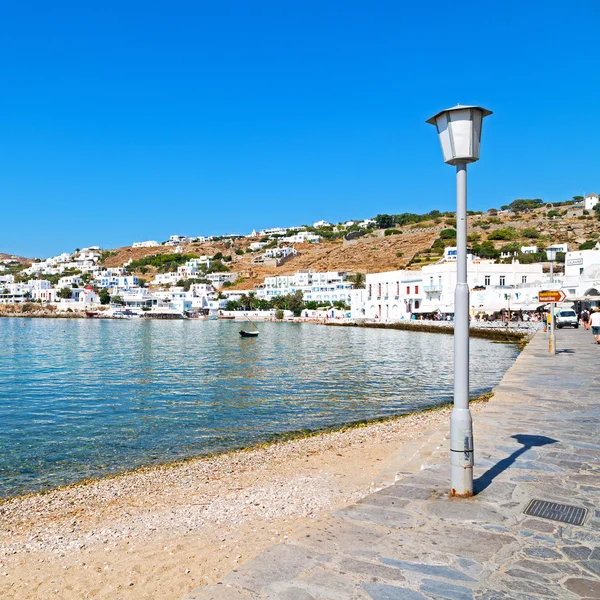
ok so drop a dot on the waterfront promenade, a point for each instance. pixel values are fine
(538, 438)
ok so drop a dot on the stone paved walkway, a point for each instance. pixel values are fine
(539, 437)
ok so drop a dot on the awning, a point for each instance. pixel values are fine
(583, 298)
(432, 308)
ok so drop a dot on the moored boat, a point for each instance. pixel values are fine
(248, 333)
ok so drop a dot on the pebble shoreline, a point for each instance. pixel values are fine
(186, 496)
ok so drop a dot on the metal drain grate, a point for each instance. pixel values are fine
(574, 515)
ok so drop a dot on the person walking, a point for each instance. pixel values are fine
(585, 318)
(595, 323)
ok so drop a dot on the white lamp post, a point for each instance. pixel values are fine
(459, 130)
(551, 256)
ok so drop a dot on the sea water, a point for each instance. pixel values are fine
(89, 398)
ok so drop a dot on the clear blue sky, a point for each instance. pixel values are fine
(130, 120)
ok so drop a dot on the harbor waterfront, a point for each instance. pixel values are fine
(90, 398)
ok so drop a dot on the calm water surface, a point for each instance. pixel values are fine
(83, 398)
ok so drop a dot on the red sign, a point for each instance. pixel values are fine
(551, 296)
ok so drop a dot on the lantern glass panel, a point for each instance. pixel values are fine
(445, 138)
(461, 130)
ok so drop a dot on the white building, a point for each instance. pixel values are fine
(321, 224)
(282, 252)
(218, 279)
(582, 274)
(165, 279)
(319, 287)
(176, 240)
(13, 293)
(529, 249)
(255, 246)
(69, 282)
(367, 223)
(450, 254)
(194, 267)
(302, 237)
(116, 282)
(559, 247)
(391, 295)
(590, 201)
(273, 231)
(148, 244)
(397, 294)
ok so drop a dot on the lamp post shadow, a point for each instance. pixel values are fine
(528, 442)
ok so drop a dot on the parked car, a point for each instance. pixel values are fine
(567, 318)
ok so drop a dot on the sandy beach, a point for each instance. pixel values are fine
(157, 533)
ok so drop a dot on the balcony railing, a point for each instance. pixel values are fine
(432, 289)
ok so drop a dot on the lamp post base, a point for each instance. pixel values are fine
(461, 453)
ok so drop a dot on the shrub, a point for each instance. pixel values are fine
(239, 251)
(473, 237)
(552, 213)
(447, 234)
(279, 314)
(392, 232)
(399, 254)
(503, 234)
(530, 233)
(589, 245)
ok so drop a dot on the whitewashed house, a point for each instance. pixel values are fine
(559, 247)
(69, 281)
(332, 286)
(194, 267)
(590, 201)
(302, 237)
(529, 249)
(218, 279)
(147, 244)
(165, 279)
(582, 274)
(397, 295)
(282, 252)
(255, 246)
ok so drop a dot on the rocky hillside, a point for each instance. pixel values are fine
(410, 246)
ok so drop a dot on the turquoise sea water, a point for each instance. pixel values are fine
(86, 398)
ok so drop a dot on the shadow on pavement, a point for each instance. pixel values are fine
(528, 441)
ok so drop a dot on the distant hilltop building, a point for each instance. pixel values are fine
(590, 201)
(147, 244)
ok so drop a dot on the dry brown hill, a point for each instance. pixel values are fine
(376, 252)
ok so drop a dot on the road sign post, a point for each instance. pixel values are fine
(551, 297)
(546, 296)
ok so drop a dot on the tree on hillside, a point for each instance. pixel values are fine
(525, 204)
(104, 296)
(64, 293)
(384, 221)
